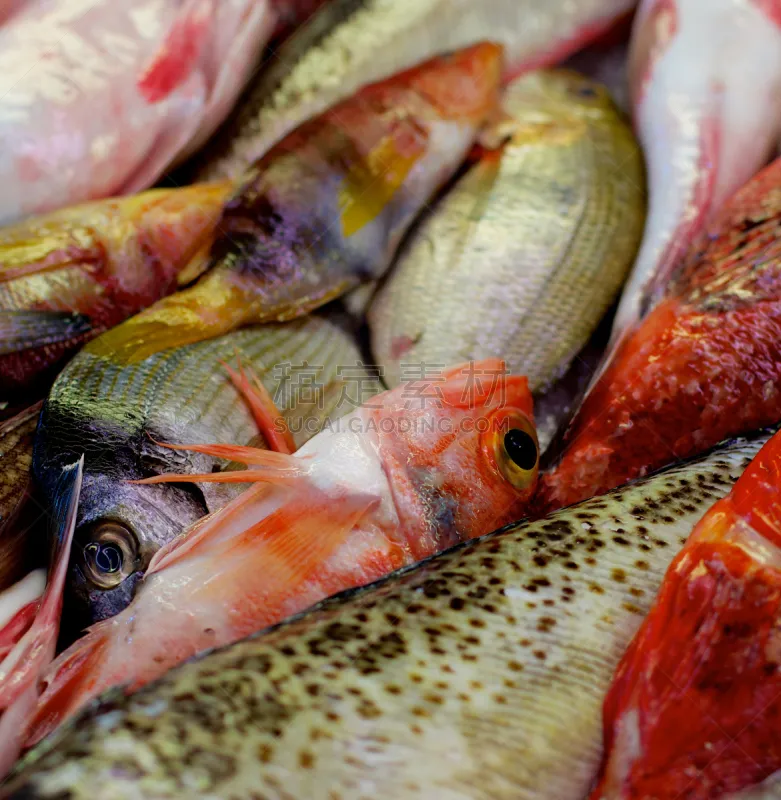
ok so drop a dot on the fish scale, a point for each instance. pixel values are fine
(478, 674)
(117, 413)
(350, 43)
(524, 255)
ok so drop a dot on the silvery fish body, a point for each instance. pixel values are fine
(116, 415)
(477, 674)
(521, 259)
(350, 43)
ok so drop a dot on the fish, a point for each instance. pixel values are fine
(479, 673)
(705, 87)
(291, 14)
(704, 365)
(116, 414)
(350, 43)
(524, 255)
(693, 708)
(17, 513)
(397, 480)
(99, 99)
(606, 64)
(28, 638)
(325, 209)
(68, 275)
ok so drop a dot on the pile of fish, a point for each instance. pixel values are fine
(390, 399)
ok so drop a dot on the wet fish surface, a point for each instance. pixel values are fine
(477, 674)
(386, 487)
(350, 43)
(17, 514)
(98, 98)
(67, 276)
(116, 414)
(28, 639)
(704, 365)
(693, 709)
(324, 210)
(524, 255)
(705, 80)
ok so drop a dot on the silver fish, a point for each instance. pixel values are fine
(117, 414)
(350, 43)
(478, 674)
(526, 252)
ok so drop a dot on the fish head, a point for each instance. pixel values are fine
(120, 525)
(469, 454)
(463, 85)
(549, 105)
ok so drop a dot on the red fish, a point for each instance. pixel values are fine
(326, 208)
(67, 276)
(704, 365)
(695, 705)
(705, 82)
(414, 471)
(30, 619)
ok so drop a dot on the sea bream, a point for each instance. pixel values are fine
(116, 414)
(705, 364)
(98, 98)
(694, 707)
(705, 78)
(67, 276)
(522, 257)
(325, 209)
(350, 43)
(478, 674)
(395, 481)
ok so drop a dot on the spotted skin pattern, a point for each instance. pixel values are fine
(478, 674)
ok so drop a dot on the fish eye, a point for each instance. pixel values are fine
(585, 91)
(109, 555)
(513, 447)
(521, 448)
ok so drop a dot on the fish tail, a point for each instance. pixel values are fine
(267, 416)
(697, 695)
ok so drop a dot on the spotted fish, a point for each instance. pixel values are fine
(350, 43)
(478, 674)
(694, 707)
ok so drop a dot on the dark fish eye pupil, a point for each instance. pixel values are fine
(521, 448)
(587, 91)
(108, 558)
